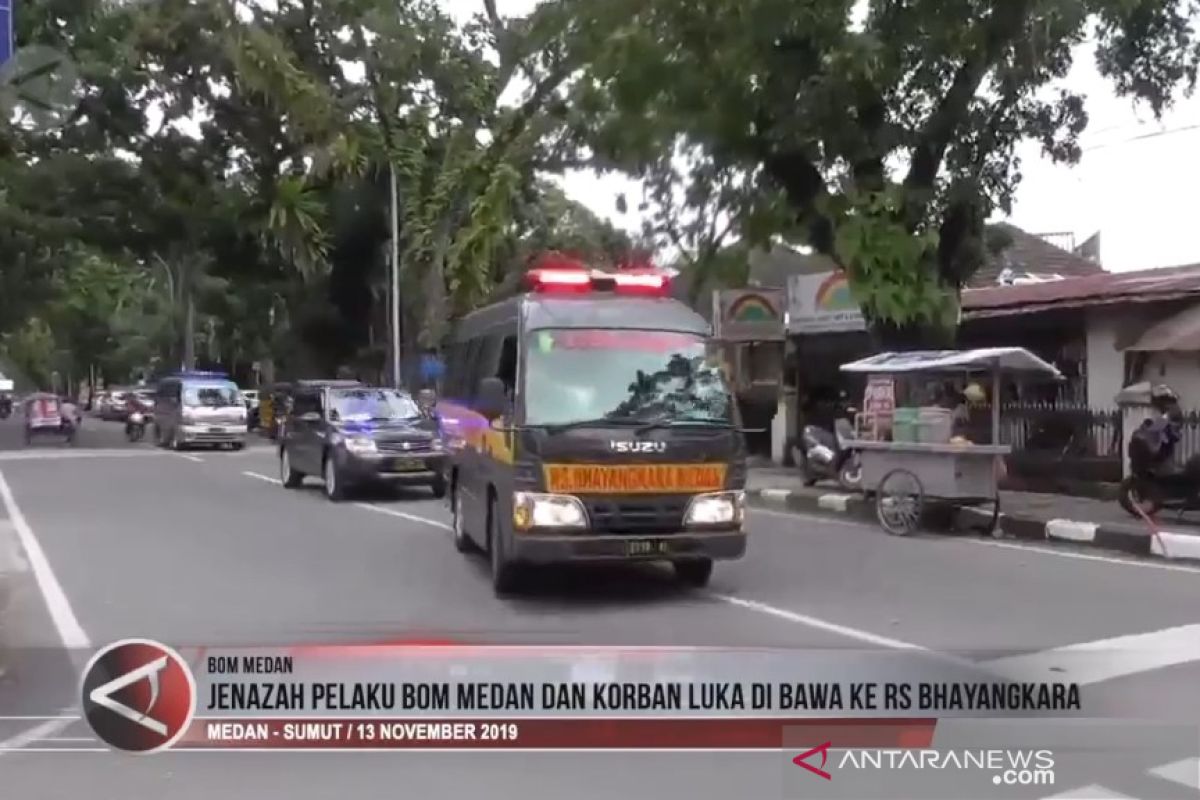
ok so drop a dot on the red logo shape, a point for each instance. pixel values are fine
(802, 760)
(138, 695)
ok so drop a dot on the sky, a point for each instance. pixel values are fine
(1131, 184)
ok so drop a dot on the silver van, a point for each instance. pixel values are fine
(199, 408)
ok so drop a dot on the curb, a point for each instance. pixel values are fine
(1112, 537)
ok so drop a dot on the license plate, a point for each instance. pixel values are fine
(402, 465)
(216, 430)
(647, 547)
(634, 478)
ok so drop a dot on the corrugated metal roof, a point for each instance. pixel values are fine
(1105, 288)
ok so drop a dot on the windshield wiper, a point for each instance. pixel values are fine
(668, 421)
(598, 422)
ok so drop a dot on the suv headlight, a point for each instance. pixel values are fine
(718, 508)
(360, 444)
(535, 510)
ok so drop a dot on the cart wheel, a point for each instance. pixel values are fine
(899, 501)
(992, 528)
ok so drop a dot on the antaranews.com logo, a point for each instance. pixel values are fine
(1003, 766)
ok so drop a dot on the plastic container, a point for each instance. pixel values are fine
(935, 425)
(904, 424)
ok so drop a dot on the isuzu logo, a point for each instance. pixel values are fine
(618, 446)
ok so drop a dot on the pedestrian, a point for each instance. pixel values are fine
(432, 369)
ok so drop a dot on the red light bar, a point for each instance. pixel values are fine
(559, 279)
(566, 275)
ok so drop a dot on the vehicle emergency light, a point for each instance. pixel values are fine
(563, 275)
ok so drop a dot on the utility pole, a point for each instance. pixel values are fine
(395, 276)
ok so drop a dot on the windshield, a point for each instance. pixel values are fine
(212, 396)
(361, 405)
(585, 374)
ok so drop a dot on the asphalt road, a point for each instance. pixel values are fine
(205, 549)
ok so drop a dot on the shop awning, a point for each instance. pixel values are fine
(1179, 333)
(1007, 359)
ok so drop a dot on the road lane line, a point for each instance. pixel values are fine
(38, 733)
(402, 515)
(1185, 773)
(813, 622)
(1092, 792)
(391, 512)
(189, 457)
(1127, 562)
(65, 622)
(1104, 659)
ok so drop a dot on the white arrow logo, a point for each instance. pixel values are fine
(102, 695)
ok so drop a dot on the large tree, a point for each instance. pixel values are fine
(893, 135)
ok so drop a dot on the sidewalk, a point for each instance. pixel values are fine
(1024, 515)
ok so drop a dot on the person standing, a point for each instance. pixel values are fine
(432, 369)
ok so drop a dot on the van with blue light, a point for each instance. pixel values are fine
(588, 422)
(199, 409)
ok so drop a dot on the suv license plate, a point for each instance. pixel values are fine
(216, 430)
(647, 547)
(404, 465)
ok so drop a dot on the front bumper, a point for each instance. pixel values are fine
(406, 468)
(213, 434)
(534, 548)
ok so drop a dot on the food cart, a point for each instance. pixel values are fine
(909, 467)
(44, 416)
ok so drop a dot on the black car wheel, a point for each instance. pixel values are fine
(291, 478)
(694, 572)
(462, 542)
(504, 572)
(333, 481)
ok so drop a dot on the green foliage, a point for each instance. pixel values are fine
(922, 102)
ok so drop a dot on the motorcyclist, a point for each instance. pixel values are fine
(133, 405)
(1162, 433)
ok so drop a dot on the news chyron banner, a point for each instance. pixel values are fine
(852, 724)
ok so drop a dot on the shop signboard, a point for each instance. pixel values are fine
(822, 303)
(749, 315)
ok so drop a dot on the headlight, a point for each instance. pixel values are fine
(720, 508)
(532, 510)
(436, 444)
(360, 444)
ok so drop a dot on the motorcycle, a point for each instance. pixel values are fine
(135, 426)
(822, 455)
(1155, 484)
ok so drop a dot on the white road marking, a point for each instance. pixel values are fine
(189, 457)
(1092, 792)
(1185, 772)
(391, 512)
(67, 624)
(91, 739)
(779, 495)
(1130, 561)
(61, 614)
(813, 622)
(1104, 659)
(402, 515)
(1071, 530)
(53, 455)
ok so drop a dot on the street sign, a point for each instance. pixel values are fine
(6, 30)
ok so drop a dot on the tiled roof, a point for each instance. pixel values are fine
(1030, 253)
(1105, 288)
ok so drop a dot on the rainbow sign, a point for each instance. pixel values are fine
(822, 303)
(834, 294)
(749, 315)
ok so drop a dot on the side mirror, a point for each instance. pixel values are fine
(492, 400)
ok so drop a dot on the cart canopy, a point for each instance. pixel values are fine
(1007, 359)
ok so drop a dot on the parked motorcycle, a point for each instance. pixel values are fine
(136, 424)
(822, 455)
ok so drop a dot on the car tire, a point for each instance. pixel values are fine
(694, 572)
(458, 522)
(334, 490)
(438, 486)
(504, 573)
(237, 446)
(290, 478)
(176, 442)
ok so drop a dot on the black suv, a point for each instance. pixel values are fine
(351, 434)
